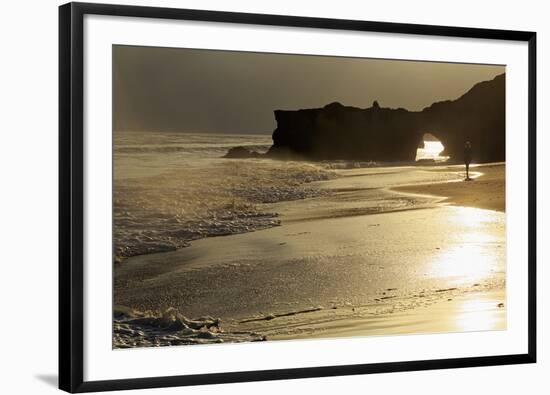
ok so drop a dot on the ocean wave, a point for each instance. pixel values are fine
(167, 211)
(214, 150)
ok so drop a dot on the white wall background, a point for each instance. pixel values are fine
(28, 197)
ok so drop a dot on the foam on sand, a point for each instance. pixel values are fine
(132, 328)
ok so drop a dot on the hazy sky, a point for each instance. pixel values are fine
(165, 89)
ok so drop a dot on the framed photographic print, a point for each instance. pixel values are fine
(239, 188)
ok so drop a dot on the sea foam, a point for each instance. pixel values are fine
(170, 189)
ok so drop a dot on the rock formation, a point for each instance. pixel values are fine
(241, 153)
(384, 134)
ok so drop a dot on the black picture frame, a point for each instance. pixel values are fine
(71, 172)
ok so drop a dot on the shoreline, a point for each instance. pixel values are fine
(308, 269)
(489, 191)
(486, 191)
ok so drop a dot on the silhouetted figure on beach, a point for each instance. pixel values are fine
(467, 159)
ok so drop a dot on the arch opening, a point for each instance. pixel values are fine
(430, 149)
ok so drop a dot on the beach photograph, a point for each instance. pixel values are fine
(266, 196)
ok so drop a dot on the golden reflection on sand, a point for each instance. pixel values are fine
(470, 257)
(471, 262)
(478, 314)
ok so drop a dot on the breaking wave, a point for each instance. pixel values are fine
(217, 150)
(166, 196)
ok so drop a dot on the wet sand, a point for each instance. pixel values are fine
(372, 257)
(475, 311)
(486, 191)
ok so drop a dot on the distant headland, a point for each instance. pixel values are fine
(337, 132)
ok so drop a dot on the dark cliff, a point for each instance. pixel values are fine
(384, 134)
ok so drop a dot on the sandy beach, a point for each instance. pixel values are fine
(486, 191)
(381, 251)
